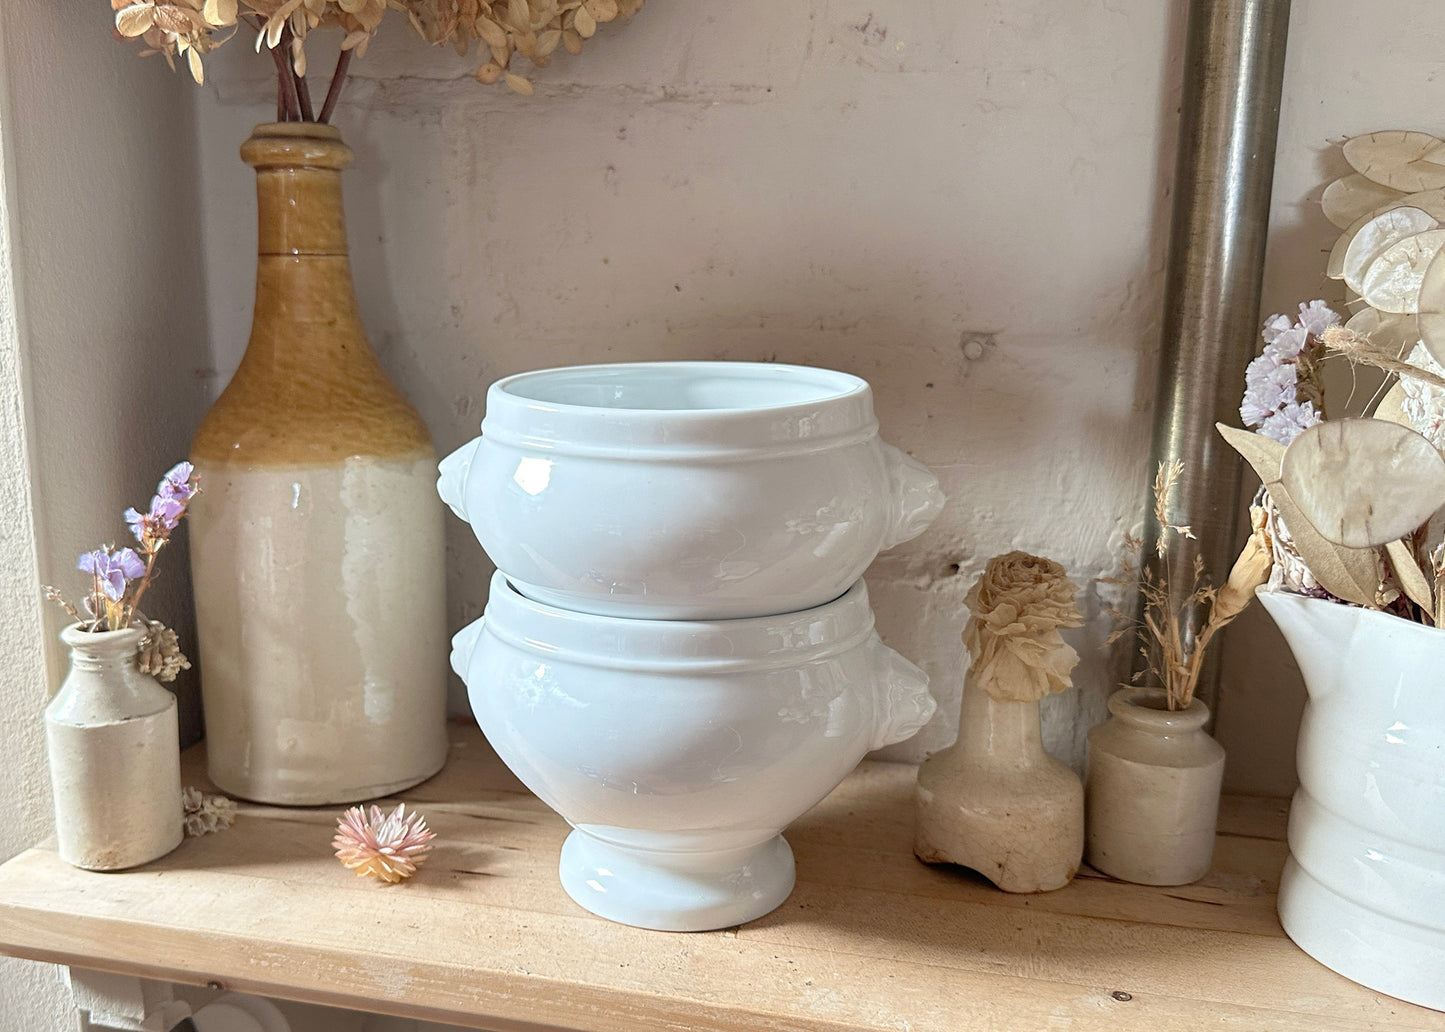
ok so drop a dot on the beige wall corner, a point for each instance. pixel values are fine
(102, 335)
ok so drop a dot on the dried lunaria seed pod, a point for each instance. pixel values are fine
(1364, 482)
(203, 814)
(384, 846)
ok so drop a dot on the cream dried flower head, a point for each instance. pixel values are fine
(1018, 606)
(384, 846)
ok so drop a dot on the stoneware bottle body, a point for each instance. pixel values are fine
(1152, 790)
(998, 803)
(316, 544)
(114, 747)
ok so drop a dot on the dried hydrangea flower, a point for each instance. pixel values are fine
(385, 846)
(204, 814)
(160, 652)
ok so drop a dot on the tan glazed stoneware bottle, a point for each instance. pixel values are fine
(316, 543)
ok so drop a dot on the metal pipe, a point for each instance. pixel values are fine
(1229, 119)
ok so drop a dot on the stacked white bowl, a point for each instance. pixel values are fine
(678, 653)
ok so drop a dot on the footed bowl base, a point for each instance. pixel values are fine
(675, 891)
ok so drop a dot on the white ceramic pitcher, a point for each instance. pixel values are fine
(1364, 889)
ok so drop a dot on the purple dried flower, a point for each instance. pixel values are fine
(1274, 326)
(1316, 317)
(1270, 384)
(1289, 421)
(1288, 344)
(163, 517)
(112, 571)
(177, 484)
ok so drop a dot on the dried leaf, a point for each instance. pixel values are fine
(1392, 282)
(197, 72)
(1400, 159)
(571, 42)
(519, 16)
(1264, 454)
(490, 33)
(298, 56)
(519, 84)
(546, 43)
(1348, 573)
(1363, 482)
(1411, 577)
(1345, 200)
(1376, 236)
(220, 12)
(584, 23)
(135, 20)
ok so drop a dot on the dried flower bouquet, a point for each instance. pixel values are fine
(1350, 500)
(1173, 657)
(499, 29)
(119, 577)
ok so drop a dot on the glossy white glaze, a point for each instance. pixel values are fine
(685, 490)
(680, 749)
(1364, 890)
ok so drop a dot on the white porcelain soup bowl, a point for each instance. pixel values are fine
(685, 490)
(678, 750)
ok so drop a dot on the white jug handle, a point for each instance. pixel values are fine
(453, 470)
(915, 498)
(464, 642)
(902, 703)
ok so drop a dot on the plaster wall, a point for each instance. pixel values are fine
(965, 203)
(960, 202)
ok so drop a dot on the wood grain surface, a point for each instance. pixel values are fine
(870, 939)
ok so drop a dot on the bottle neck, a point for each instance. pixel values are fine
(1004, 731)
(300, 212)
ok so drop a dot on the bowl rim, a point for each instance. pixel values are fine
(679, 646)
(855, 386)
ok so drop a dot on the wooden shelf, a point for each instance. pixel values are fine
(870, 939)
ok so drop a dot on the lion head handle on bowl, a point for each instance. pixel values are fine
(915, 498)
(902, 703)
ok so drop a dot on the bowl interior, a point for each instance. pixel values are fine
(684, 386)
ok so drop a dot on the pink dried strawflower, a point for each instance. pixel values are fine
(386, 846)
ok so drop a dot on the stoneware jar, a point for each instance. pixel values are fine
(114, 746)
(1363, 891)
(316, 542)
(997, 803)
(1152, 791)
(685, 490)
(679, 750)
